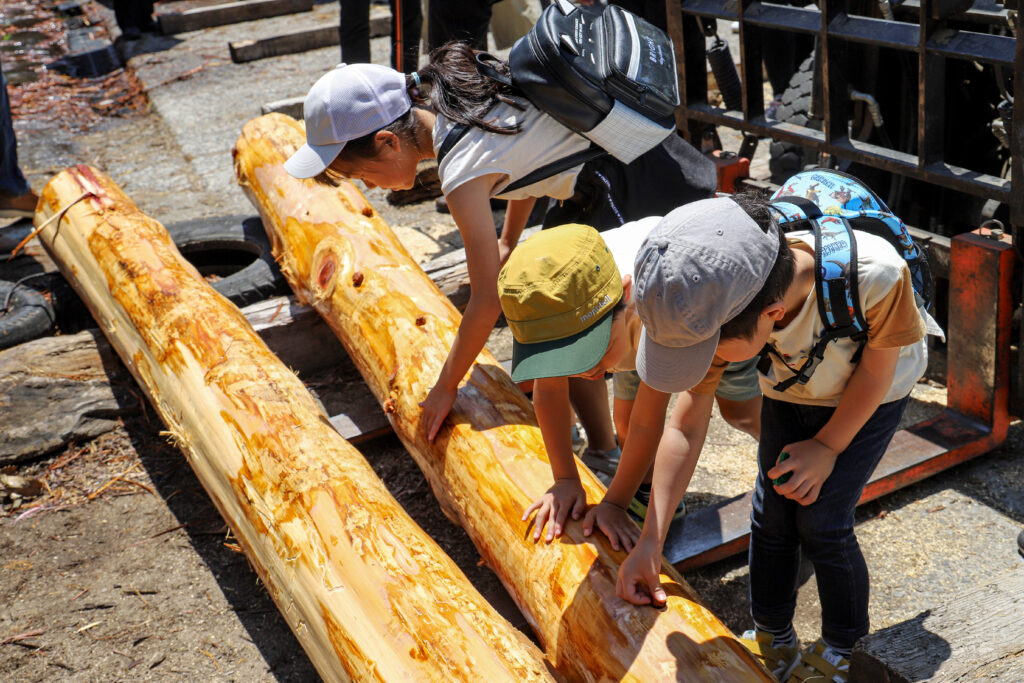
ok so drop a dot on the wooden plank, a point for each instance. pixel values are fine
(291, 106)
(488, 462)
(368, 594)
(299, 41)
(976, 636)
(228, 13)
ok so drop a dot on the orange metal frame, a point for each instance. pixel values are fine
(975, 420)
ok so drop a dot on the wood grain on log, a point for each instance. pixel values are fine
(488, 463)
(368, 594)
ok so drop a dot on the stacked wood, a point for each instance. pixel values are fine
(368, 594)
(488, 463)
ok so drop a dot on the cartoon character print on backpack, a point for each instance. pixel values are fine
(832, 205)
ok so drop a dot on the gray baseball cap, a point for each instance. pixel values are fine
(699, 268)
(348, 102)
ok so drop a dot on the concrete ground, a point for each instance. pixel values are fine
(170, 595)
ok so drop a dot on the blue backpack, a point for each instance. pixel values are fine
(833, 204)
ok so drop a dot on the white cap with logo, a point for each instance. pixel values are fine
(348, 102)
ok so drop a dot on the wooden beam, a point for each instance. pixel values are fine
(975, 636)
(228, 13)
(488, 462)
(367, 593)
(299, 41)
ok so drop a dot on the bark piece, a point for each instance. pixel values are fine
(368, 594)
(488, 463)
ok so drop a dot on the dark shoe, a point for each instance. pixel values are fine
(151, 26)
(23, 206)
(131, 33)
(638, 509)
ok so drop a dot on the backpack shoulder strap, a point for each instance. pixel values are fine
(810, 209)
(557, 166)
(457, 132)
(836, 293)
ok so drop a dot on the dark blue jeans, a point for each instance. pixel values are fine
(780, 527)
(12, 182)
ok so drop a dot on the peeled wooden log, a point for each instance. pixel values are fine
(368, 594)
(488, 462)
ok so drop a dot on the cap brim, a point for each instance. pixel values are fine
(562, 357)
(672, 369)
(311, 160)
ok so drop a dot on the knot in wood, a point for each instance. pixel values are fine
(357, 279)
(421, 321)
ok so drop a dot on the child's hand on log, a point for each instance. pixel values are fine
(565, 497)
(640, 575)
(613, 521)
(436, 407)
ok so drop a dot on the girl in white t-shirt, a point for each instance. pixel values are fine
(372, 123)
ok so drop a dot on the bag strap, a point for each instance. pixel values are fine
(557, 166)
(483, 65)
(835, 297)
(553, 168)
(810, 209)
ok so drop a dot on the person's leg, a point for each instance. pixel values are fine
(406, 25)
(124, 14)
(354, 31)
(624, 389)
(828, 539)
(12, 181)
(590, 400)
(465, 21)
(146, 20)
(742, 415)
(664, 178)
(739, 397)
(774, 554)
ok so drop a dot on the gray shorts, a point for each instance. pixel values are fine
(739, 383)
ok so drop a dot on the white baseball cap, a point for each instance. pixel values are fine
(348, 102)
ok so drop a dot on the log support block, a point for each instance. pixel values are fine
(976, 636)
(228, 13)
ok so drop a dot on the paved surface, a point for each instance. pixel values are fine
(922, 544)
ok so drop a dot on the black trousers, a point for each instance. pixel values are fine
(462, 20)
(406, 25)
(133, 13)
(610, 193)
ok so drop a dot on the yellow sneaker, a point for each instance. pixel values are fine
(778, 660)
(821, 664)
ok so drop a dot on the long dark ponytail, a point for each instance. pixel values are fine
(459, 92)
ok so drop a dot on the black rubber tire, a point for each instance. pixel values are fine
(234, 253)
(785, 158)
(1020, 542)
(29, 315)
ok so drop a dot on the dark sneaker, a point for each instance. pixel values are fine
(602, 463)
(638, 510)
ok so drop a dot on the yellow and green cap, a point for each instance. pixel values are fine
(557, 291)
